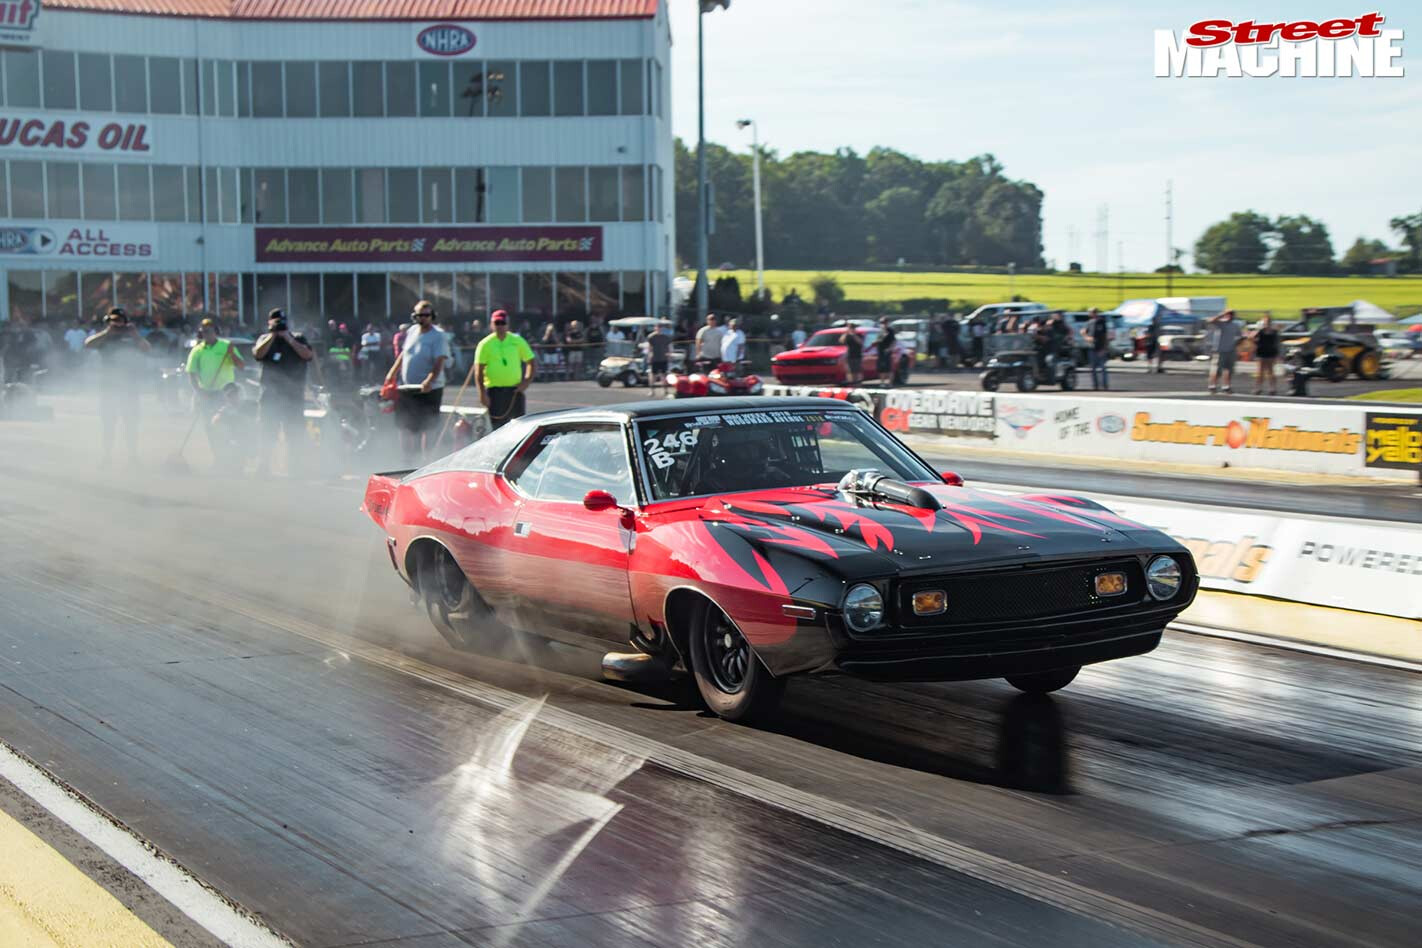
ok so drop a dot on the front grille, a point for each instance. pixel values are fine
(1024, 593)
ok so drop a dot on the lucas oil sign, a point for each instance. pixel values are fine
(445, 39)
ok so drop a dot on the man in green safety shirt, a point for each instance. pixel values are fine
(504, 368)
(212, 366)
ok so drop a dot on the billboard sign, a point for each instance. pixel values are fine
(18, 21)
(79, 241)
(445, 39)
(439, 244)
(35, 134)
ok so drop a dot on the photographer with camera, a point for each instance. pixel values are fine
(283, 355)
(120, 349)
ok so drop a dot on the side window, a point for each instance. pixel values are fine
(565, 465)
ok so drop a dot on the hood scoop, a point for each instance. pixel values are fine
(871, 485)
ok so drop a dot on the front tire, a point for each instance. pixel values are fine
(1026, 381)
(604, 381)
(630, 380)
(990, 380)
(733, 682)
(1040, 683)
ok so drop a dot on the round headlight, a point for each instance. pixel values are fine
(1163, 577)
(863, 607)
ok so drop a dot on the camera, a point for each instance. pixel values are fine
(279, 325)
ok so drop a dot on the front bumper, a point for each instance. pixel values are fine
(788, 373)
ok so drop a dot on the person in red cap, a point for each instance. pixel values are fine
(504, 368)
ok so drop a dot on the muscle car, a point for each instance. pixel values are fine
(745, 541)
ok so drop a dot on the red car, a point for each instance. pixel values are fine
(708, 379)
(823, 360)
(743, 541)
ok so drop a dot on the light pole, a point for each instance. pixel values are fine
(702, 287)
(755, 179)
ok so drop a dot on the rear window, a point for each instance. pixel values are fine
(486, 454)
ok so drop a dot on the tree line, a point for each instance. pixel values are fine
(846, 210)
(1250, 242)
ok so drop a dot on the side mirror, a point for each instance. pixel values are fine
(951, 478)
(597, 500)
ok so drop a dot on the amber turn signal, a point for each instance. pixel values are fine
(1110, 584)
(930, 602)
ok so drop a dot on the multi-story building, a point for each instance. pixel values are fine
(337, 158)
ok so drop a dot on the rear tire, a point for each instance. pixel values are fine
(630, 380)
(1026, 381)
(1040, 683)
(1368, 365)
(454, 606)
(732, 681)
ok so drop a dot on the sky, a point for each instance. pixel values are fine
(1065, 96)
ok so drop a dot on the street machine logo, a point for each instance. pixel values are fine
(1338, 48)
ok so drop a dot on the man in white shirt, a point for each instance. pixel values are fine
(733, 344)
(369, 349)
(708, 339)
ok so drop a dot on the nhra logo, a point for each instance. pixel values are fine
(446, 39)
(13, 239)
(1341, 48)
(18, 15)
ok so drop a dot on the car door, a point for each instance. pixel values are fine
(574, 560)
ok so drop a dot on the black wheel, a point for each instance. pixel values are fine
(453, 605)
(989, 380)
(1026, 381)
(901, 374)
(1335, 370)
(604, 381)
(1069, 380)
(630, 380)
(732, 681)
(1040, 683)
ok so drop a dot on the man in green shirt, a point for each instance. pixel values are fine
(212, 366)
(505, 367)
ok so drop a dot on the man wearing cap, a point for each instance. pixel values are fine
(420, 369)
(120, 363)
(284, 355)
(212, 366)
(504, 364)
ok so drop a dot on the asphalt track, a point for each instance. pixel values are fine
(231, 669)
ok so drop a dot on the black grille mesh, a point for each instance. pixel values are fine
(1020, 593)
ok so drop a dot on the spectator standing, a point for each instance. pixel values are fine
(733, 344)
(853, 354)
(884, 350)
(420, 370)
(212, 366)
(614, 335)
(1225, 346)
(503, 368)
(120, 350)
(708, 340)
(977, 329)
(1153, 350)
(368, 356)
(798, 337)
(952, 343)
(658, 352)
(74, 338)
(1266, 351)
(575, 339)
(1098, 342)
(284, 356)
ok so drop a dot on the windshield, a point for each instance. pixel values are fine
(827, 337)
(692, 455)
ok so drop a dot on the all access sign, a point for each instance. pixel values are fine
(17, 22)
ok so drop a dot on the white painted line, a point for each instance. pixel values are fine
(168, 879)
(1294, 645)
(881, 828)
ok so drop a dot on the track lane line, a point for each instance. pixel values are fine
(179, 887)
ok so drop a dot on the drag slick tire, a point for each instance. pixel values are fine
(450, 600)
(733, 682)
(1040, 683)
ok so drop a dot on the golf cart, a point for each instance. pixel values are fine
(1335, 354)
(626, 359)
(1016, 358)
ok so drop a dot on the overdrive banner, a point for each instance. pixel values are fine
(449, 244)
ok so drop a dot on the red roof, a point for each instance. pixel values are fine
(371, 9)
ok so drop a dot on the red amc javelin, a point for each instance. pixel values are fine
(822, 360)
(743, 541)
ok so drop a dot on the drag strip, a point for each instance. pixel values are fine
(231, 669)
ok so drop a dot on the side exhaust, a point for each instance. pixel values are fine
(634, 667)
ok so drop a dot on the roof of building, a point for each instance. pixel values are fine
(370, 9)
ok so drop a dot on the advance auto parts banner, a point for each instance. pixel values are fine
(444, 244)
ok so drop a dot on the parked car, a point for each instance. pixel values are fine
(822, 360)
(1398, 344)
(744, 545)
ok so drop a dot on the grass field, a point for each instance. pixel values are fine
(1391, 395)
(1283, 294)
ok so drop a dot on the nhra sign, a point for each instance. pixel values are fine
(18, 21)
(1394, 441)
(445, 39)
(80, 242)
